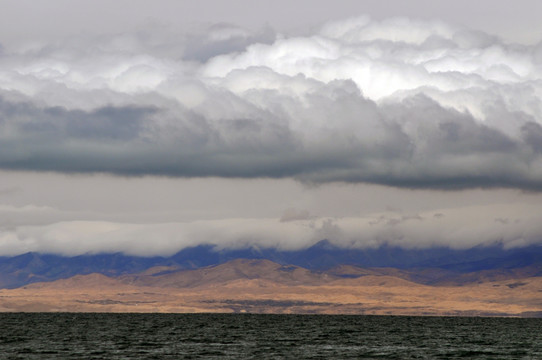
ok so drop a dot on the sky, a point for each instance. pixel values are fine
(146, 127)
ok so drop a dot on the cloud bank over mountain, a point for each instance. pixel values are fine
(240, 138)
(509, 226)
(398, 102)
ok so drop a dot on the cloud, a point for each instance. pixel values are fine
(292, 214)
(509, 225)
(399, 102)
(221, 39)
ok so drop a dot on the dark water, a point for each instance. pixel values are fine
(204, 336)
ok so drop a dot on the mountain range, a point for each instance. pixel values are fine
(428, 266)
(263, 286)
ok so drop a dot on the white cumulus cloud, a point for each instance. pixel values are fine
(399, 102)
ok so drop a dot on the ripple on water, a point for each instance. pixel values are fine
(221, 336)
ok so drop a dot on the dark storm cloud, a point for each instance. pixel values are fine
(399, 102)
(447, 149)
(532, 133)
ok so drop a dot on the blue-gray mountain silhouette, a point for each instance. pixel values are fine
(34, 267)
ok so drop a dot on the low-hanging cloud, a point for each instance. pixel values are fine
(506, 225)
(398, 102)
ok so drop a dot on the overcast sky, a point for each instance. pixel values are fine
(145, 127)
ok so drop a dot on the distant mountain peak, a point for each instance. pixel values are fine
(324, 245)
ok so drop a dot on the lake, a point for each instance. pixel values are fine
(233, 336)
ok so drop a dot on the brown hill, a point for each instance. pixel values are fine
(233, 270)
(438, 276)
(94, 281)
(261, 286)
(375, 280)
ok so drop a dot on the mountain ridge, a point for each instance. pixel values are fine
(263, 286)
(34, 267)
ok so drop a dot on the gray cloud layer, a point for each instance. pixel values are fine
(398, 102)
(511, 225)
(72, 215)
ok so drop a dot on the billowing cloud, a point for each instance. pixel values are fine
(399, 102)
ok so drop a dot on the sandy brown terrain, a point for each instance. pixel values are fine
(266, 287)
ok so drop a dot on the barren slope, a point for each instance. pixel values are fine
(262, 286)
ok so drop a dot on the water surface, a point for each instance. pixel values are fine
(233, 336)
